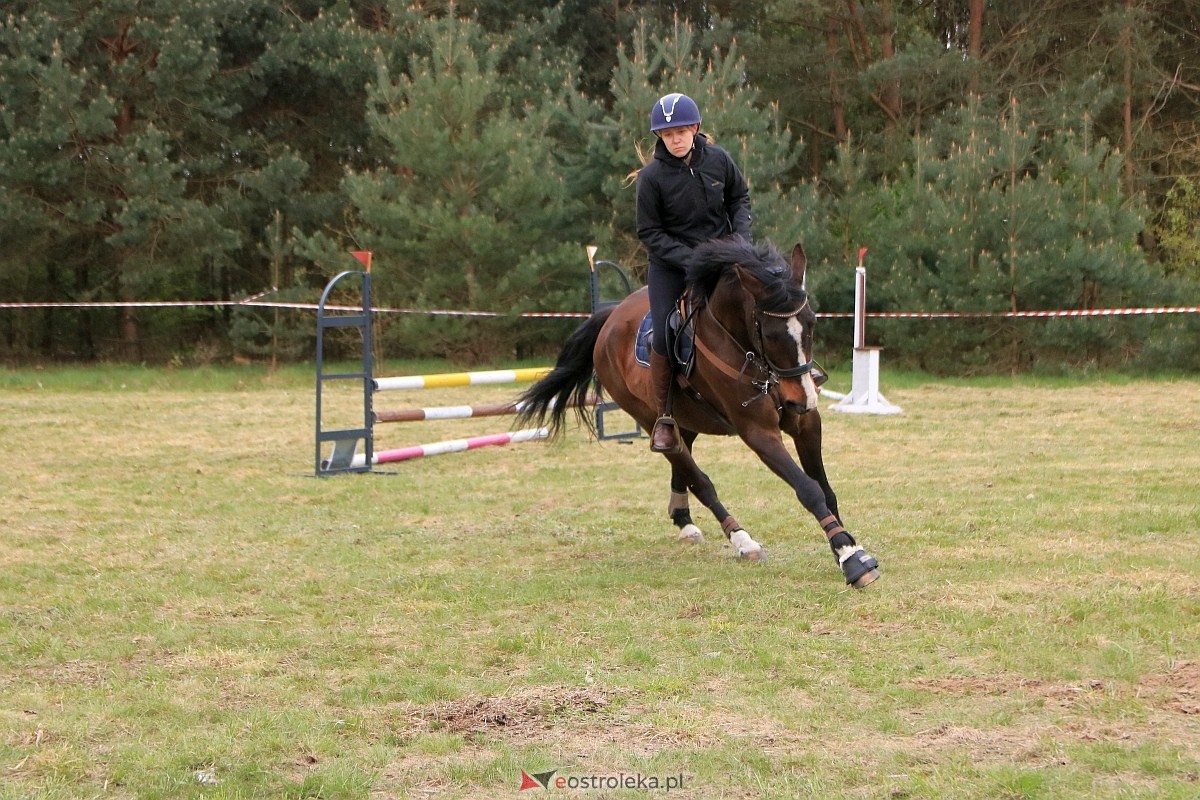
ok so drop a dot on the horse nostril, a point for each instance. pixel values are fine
(797, 408)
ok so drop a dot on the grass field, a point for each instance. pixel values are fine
(186, 612)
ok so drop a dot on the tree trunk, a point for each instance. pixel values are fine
(858, 30)
(975, 42)
(128, 330)
(49, 315)
(887, 43)
(86, 333)
(836, 99)
(1127, 106)
(131, 345)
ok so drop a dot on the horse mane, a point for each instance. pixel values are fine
(714, 260)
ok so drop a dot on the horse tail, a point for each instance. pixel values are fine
(570, 383)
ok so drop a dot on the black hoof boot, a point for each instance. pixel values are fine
(861, 569)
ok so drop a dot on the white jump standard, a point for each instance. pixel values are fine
(864, 396)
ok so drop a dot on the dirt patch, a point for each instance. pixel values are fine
(1021, 746)
(1179, 689)
(996, 685)
(1170, 701)
(585, 722)
(524, 712)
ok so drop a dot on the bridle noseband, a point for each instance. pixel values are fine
(790, 372)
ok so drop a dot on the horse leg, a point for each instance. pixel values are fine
(858, 566)
(686, 475)
(678, 508)
(806, 435)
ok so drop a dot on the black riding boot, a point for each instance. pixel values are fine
(665, 437)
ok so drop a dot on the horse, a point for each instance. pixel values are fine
(751, 375)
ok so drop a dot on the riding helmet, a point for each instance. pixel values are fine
(674, 111)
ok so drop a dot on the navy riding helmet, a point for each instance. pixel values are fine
(674, 111)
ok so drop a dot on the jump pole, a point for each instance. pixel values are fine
(446, 412)
(446, 379)
(459, 412)
(361, 461)
(449, 446)
(864, 397)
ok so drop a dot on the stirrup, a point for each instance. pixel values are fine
(667, 420)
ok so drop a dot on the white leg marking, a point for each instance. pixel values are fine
(742, 543)
(843, 553)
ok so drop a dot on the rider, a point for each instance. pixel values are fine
(689, 193)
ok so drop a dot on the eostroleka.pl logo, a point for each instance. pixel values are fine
(546, 780)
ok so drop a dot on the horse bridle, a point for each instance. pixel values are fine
(770, 372)
(791, 372)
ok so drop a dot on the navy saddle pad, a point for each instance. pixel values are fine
(681, 334)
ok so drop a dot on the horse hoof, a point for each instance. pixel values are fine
(860, 568)
(866, 579)
(753, 555)
(690, 534)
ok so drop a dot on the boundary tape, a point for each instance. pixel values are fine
(253, 302)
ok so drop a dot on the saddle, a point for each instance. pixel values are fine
(681, 339)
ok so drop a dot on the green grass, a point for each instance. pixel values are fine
(185, 612)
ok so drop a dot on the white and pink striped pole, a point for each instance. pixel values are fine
(450, 446)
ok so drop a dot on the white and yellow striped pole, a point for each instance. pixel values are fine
(446, 379)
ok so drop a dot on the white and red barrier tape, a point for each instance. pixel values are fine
(252, 301)
(1085, 312)
(298, 306)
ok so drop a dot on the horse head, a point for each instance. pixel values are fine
(780, 322)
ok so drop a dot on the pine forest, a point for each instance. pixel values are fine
(992, 157)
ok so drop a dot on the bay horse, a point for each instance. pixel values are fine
(752, 376)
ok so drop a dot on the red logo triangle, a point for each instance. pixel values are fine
(528, 782)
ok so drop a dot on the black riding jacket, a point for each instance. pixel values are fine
(681, 205)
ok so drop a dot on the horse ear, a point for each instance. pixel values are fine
(799, 265)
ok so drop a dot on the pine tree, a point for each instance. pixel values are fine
(112, 116)
(658, 63)
(471, 211)
(303, 111)
(1004, 219)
